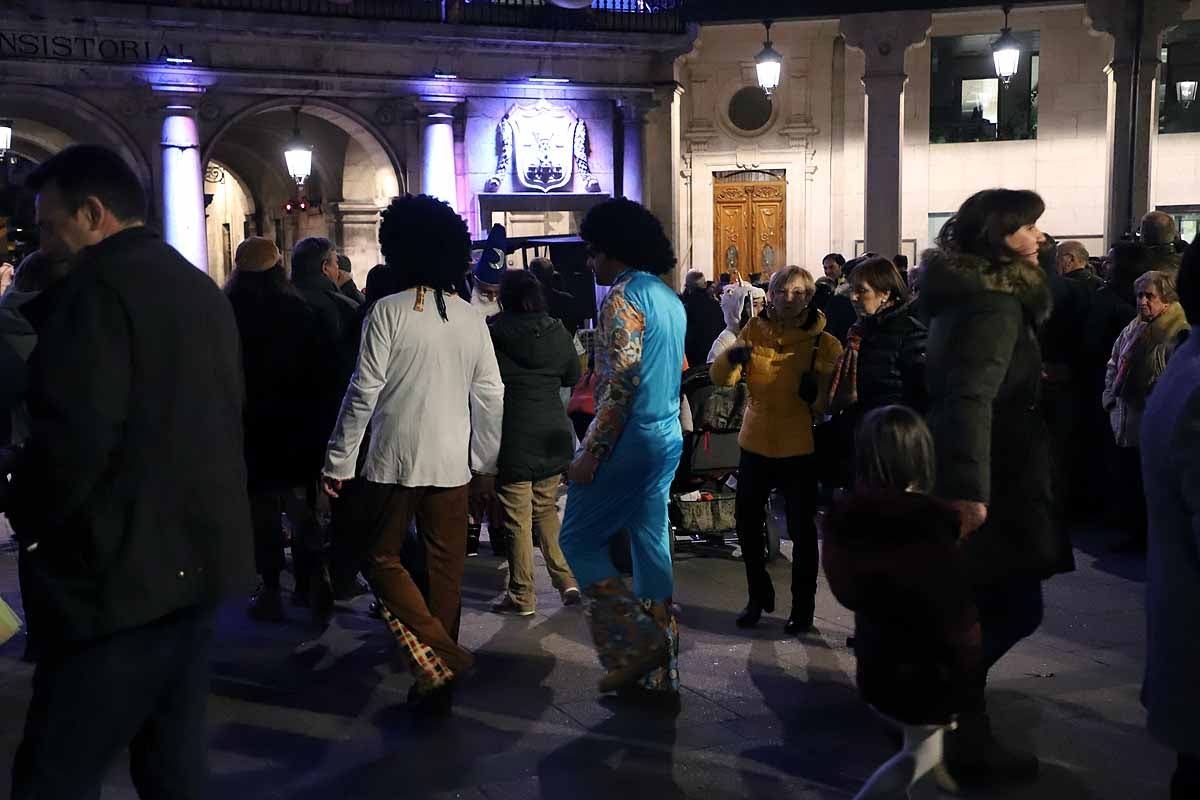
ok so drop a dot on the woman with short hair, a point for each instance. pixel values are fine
(883, 362)
(787, 360)
(1139, 357)
(537, 358)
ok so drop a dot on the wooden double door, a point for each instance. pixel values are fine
(749, 221)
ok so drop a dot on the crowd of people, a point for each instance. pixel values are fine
(166, 438)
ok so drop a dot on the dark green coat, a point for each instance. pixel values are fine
(983, 371)
(537, 358)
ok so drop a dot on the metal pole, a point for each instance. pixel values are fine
(1135, 77)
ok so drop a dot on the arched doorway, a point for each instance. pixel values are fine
(354, 175)
(44, 122)
(229, 212)
(749, 222)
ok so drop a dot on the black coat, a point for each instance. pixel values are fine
(350, 291)
(132, 482)
(562, 307)
(891, 360)
(893, 558)
(704, 324)
(537, 358)
(288, 374)
(984, 372)
(1112, 308)
(838, 310)
(339, 324)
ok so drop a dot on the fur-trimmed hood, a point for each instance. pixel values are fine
(948, 275)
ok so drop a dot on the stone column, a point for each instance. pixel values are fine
(633, 119)
(438, 173)
(356, 230)
(183, 185)
(884, 38)
(1136, 28)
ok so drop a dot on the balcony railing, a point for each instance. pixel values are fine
(623, 16)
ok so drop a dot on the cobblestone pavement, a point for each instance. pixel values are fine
(764, 715)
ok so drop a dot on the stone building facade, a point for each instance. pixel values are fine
(532, 125)
(202, 102)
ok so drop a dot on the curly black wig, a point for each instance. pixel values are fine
(627, 232)
(426, 242)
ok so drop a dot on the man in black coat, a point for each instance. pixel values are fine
(130, 495)
(559, 304)
(286, 369)
(315, 276)
(345, 281)
(838, 310)
(705, 321)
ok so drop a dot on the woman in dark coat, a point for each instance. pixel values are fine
(986, 296)
(537, 358)
(286, 363)
(884, 359)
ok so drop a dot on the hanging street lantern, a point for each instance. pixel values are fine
(1006, 51)
(297, 152)
(1186, 92)
(768, 63)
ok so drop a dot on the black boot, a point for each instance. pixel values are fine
(974, 758)
(762, 600)
(799, 621)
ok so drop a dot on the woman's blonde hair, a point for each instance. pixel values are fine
(786, 274)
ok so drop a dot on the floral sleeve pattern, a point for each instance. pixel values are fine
(618, 370)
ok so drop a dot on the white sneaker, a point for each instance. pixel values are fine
(571, 596)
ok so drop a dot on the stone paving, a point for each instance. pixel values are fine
(764, 715)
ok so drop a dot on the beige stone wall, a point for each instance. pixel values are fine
(230, 205)
(822, 86)
(1065, 164)
(796, 139)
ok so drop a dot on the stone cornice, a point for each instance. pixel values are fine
(126, 21)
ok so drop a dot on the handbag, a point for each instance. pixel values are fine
(583, 396)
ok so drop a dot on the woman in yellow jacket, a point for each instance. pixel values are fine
(788, 361)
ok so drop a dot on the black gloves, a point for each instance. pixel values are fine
(739, 355)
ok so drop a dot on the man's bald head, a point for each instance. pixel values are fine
(1158, 228)
(1071, 256)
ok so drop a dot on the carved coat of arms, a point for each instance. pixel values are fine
(541, 146)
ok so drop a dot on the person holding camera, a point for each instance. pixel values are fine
(788, 361)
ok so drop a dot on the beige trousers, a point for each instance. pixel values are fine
(528, 506)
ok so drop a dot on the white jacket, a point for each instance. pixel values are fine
(733, 301)
(432, 392)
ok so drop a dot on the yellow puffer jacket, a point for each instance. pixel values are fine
(778, 424)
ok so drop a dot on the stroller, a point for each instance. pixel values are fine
(703, 498)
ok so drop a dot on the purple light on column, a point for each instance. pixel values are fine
(183, 187)
(437, 158)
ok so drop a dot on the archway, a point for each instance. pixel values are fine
(44, 122)
(355, 173)
(229, 215)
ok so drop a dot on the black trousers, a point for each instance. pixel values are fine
(145, 688)
(1134, 516)
(796, 479)
(1008, 612)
